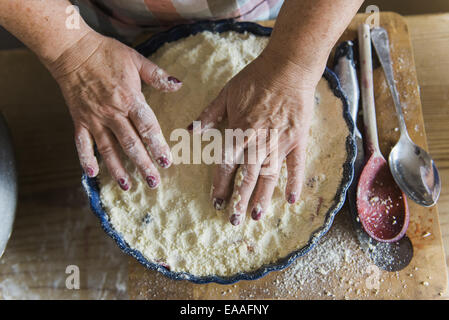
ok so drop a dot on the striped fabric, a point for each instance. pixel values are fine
(125, 19)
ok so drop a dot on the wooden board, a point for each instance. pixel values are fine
(425, 277)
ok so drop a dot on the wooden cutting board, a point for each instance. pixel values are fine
(337, 268)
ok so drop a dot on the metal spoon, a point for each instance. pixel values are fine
(411, 166)
(381, 205)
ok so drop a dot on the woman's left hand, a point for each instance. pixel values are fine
(267, 94)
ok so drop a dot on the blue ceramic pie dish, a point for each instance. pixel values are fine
(91, 185)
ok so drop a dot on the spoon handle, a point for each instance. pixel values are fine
(381, 44)
(367, 88)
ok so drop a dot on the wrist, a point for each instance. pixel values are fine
(310, 66)
(75, 54)
(51, 46)
(289, 75)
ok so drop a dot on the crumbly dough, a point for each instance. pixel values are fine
(176, 225)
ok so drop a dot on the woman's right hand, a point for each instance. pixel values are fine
(100, 79)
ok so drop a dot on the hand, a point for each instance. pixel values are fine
(100, 79)
(266, 94)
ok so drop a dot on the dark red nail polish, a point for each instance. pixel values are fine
(190, 127)
(256, 214)
(165, 265)
(218, 203)
(173, 79)
(291, 198)
(234, 220)
(152, 182)
(163, 162)
(90, 172)
(122, 183)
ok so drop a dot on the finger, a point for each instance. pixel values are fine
(264, 189)
(221, 185)
(156, 77)
(85, 147)
(247, 175)
(108, 149)
(213, 114)
(224, 175)
(135, 150)
(144, 120)
(295, 174)
(244, 184)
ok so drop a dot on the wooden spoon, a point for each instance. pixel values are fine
(381, 205)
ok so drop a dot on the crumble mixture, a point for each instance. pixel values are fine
(176, 225)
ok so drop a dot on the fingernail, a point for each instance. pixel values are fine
(122, 183)
(291, 198)
(90, 172)
(165, 265)
(218, 203)
(173, 79)
(256, 213)
(163, 162)
(152, 182)
(190, 127)
(235, 220)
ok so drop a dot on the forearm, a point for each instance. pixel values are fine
(41, 25)
(306, 30)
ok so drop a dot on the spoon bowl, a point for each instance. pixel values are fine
(415, 172)
(382, 206)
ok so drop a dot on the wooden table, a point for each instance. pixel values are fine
(430, 38)
(54, 226)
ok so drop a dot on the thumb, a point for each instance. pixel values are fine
(213, 114)
(156, 77)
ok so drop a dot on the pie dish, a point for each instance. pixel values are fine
(92, 186)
